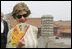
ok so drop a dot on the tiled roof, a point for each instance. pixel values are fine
(37, 22)
(66, 31)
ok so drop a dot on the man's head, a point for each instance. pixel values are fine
(2, 17)
(21, 12)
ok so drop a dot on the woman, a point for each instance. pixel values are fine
(4, 31)
(20, 13)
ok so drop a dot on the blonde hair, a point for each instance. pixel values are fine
(2, 14)
(18, 7)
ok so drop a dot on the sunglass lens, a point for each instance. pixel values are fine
(19, 16)
(25, 15)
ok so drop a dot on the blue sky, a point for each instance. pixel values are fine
(60, 10)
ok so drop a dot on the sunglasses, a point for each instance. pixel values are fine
(20, 16)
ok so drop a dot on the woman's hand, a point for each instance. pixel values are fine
(21, 43)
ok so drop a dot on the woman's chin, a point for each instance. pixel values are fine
(22, 21)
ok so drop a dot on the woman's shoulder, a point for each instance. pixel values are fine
(34, 28)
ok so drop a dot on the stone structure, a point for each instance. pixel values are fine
(46, 30)
(47, 25)
(47, 38)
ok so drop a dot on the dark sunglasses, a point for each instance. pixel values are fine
(20, 16)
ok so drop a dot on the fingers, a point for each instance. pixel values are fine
(21, 41)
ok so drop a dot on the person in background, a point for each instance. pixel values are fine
(4, 31)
